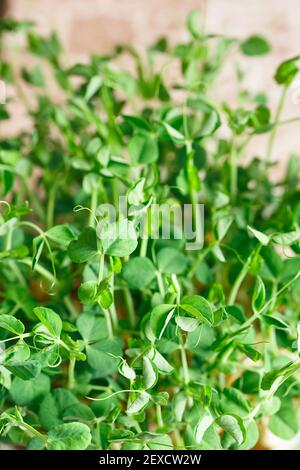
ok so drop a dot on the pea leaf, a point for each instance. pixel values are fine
(160, 317)
(171, 261)
(198, 307)
(287, 71)
(139, 403)
(204, 423)
(69, 436)
(234, 426)
(139, 272)
(85, 247)
(143, 149)
(49, 319)
(149, 373)
(24, 370)
(259, 295)
(255, 45)
(61, 234)
(118, 238)
(261, 237)
(11, 324)
(25, 391)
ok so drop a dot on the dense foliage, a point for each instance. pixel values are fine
(133, 343)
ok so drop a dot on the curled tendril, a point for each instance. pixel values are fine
(5, 203)
(80, 208)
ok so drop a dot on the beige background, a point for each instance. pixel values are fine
(97, 25)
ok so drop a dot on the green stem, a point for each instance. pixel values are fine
(160, 283)
(144, 246)
(71, 372)
(112, 309)
(38, 268)
(101, 268)
(270, 301)
(241, 276)
(108, 323)
(185, 368)
(160, 422)
(274, 130)
(129, 306)
(69, 305)
(233, 171)
(94, 202)
(33, 431)
(51, 206)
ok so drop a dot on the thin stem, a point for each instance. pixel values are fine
(160, 422)
(33, 431)
(71, 372)
(51, 206)
(274, 130)
(72, 310)
(38, 268)
(94, 202)
(241, 276)
(270, 301)
(184, 363)
(144, 246)
(112, 309)
(101, 268)
(160, 283)
(108, 324)
(198, 260)
(233, 171)
(129, 306)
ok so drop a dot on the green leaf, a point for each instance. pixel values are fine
(160, 317)
(199, 308)
(250, 352)
(259, 295)
(69, 436)
(255, 45)
(204, 423)
(234, 426)
(193, 24)
(171, 261)
(138, 404)
(139, 272)
(24, 370)
(285, 423)
(87, 292)
(143, 149)
(287, 71)
(261, 237)
(50, 320)
(179, 405)
(276, 321)
(91, 327)
(60, 234)
(25, 391)
(233, 402)
(118, 238)
(175, 135)
(187, 323)
(149, 373)
(127, 371)
(85, 247)
(93, 87)
(287, 239)
(137, 122)
(11, 324)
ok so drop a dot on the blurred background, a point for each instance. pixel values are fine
(96, 26)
